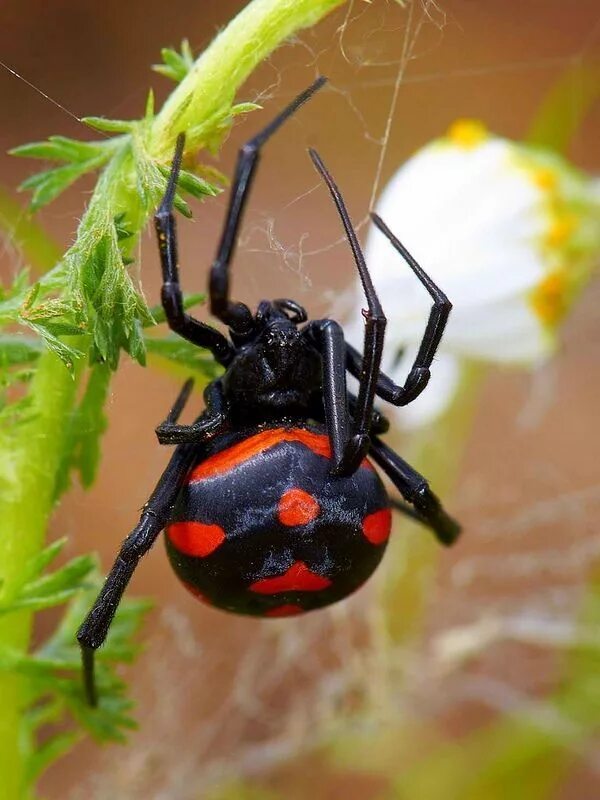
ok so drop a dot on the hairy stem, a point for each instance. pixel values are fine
(218, 73)
(29, 459)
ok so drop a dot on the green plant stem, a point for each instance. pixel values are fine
(30, 459)
(218, 73)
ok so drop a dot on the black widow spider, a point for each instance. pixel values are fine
(270, 504)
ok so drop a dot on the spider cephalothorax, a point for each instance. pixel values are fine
(270, 502)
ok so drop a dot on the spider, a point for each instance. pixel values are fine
(270, 504)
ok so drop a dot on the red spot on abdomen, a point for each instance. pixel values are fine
(297, 507)
(298, 578)
(195, 538)
(377, 526)
(288, 610)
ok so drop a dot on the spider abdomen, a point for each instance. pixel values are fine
(262, 528)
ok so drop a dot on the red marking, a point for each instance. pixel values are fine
(377, 526)
(197, 593)
(288, 610)
(298, 578)
(231, 457)
(195, 538)
(297, 507)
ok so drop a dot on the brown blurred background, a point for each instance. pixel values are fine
(217, 695)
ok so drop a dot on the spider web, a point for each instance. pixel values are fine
(222, 697)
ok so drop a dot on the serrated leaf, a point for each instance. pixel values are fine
(86, 426)
(149, 110)
(109, 125)
(60, 148)
(182, 206)
(49, 751)
(38, 603)
(53, 589)
(188, 182)
(18, 349)
(67, 577)
(47, 186)
(68, 355)
(176, 65)
(115, 307)
(43, 559)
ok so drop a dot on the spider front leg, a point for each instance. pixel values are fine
(414, 488)
(172, 299)
(356, 444)
(419, 374)
(237, 315)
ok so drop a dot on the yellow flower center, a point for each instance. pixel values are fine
(549, 298)
(467, 133)
(545, 178)
(561, 229)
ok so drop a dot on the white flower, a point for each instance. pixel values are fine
(507, 231)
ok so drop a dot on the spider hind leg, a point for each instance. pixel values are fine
(420, 503)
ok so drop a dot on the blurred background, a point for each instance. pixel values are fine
(221, 698)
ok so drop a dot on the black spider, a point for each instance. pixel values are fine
(270, 505)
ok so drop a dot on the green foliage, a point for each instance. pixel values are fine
(175, 65)
(91, 291)
(53, 672)
(79, 157)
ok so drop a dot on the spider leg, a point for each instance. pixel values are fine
(379, 422)
(179, 321)
(328, 337)
(419, 374)
(375, 322)
(153, 519)
(237, 315)
(413, 487)
(211, 423)
(155, 514)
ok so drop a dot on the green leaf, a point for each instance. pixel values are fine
(109, 125)
(111, 718)
(67, 354)
(67, 577)
(176, 65)
(47, 186)
(60, 148)
(17, 348)
(86, 427)
(48, 752)
(188, 182)
(53, 589)
(44, 558)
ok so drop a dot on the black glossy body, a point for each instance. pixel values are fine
(226, 537)
(243, 498)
